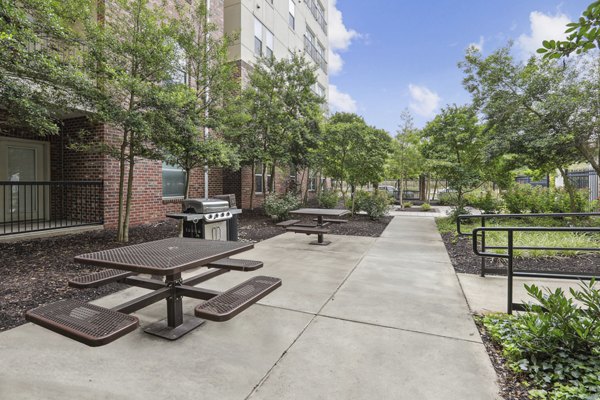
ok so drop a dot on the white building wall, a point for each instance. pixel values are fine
(240, 20)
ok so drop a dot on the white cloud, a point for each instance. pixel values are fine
(478, 45)
(339, 101)
(424, 101)
(340, 38)
(543, 27)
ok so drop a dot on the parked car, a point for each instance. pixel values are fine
(389, 189)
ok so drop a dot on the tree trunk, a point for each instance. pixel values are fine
(353, 195)
(569, 188)
(252, 186)
(122, 157)
(435, 185)
(129, 189)
(272, 188)
(264, 180)
(401, 192)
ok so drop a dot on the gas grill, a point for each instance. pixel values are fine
(211, 219)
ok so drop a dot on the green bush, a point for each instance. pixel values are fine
(328, 199)
(555, 344)
(426, 207)
(448, 199)
(279, 206)
(375, 204)
(408, 204)
(522, 199)
(488, 203)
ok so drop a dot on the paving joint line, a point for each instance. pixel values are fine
(268, 373)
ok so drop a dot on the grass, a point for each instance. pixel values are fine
(533, 239)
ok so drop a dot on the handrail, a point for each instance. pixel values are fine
(485, 217)
(509, 255)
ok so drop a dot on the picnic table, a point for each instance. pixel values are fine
(169, 258)
(321, 222)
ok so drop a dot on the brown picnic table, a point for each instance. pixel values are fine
(322, 221)
(170, 257)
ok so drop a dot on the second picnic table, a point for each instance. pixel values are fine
(321, 222)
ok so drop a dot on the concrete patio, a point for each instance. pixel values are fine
(362, 318)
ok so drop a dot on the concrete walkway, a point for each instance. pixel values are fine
(363, 318)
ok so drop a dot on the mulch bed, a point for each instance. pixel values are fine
(35, 272)
(460, 250)
(415, 209)
(465, 261)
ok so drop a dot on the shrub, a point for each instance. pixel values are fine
(426, 207)
(488, 203)
(279, 206)
(556, 344)
(448, 199)
(408, 204)
(328, 199)
(525, 198)
(375, 204)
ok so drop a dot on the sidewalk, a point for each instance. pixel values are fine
(362, 318)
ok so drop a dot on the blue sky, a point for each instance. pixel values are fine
(386, 56)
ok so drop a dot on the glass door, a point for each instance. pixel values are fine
(23, 164)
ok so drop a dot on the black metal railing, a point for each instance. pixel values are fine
(484, 217)
(317, 56)
(38, 206)
(509, 256)
(318, 12)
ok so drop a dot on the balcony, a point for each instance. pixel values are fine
(314, 8)
(314, 53)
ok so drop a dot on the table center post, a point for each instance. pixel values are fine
(174, 302)
(320, 223)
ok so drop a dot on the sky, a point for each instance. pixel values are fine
(389, 55)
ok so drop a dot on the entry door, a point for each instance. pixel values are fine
(22, 161)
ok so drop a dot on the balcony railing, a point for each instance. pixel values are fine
(316, 11)
(312, 51)
(39, 206)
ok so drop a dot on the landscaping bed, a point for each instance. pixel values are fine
(35, 272)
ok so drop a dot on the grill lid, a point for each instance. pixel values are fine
(204, 206)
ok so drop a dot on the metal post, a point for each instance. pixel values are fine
(510, 273)
(320, 224)
(483, 247)
(174, 302)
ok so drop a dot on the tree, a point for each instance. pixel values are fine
(535, 110)
(133, 54)
(282, 115)
(40, 56)
(204, 96)
(353, 151)
(455, 142)
(583, 35)
(406, 160)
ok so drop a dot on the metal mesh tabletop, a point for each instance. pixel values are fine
(326, 212)
(164, 257)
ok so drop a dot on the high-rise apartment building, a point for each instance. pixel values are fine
(278, 28)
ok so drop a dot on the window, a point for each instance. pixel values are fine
(269, 43)
(173, 181)
(258, 181)
(312, 182)
(292, 16)
(258, 34)
(180, 71)
(319, 90)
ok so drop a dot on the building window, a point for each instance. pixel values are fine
(258, 34)
(173, 181)
(258, 181)
(269, 42)
(292, 15)
(179, 74)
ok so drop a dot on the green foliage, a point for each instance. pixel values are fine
(354, 152)
(521, 199)
(454, 139)
(376, 204)
(408, 204)
(448, 199)
(426, 207)
(40, 63)
(487, 202)
(279, 206)
(556, 344)
(583, 35)
(328, 198)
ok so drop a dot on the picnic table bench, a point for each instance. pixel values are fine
(321, 222)
(96, 326)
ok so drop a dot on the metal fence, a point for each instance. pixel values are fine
(38, 206)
